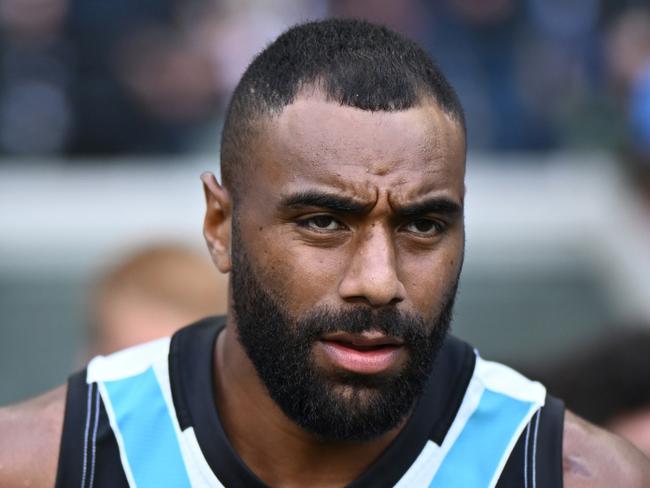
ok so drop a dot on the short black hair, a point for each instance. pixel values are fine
(353, 62)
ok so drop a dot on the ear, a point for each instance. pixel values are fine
(218, 221)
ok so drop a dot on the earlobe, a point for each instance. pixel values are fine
(217, 222)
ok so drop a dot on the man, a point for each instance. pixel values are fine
(340, 219)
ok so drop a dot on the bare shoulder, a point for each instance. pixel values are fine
(30, 433)
(593, 457)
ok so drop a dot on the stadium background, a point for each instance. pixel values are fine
(109, 111)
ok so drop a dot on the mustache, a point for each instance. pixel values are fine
(392, 322)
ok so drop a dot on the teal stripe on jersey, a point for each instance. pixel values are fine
(145, 425)
(478, 452)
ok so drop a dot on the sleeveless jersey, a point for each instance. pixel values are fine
(146, 417)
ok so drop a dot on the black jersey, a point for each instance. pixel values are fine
(146, 417)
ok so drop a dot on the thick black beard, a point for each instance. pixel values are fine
(341, 406)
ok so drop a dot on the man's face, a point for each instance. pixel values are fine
(347, 246)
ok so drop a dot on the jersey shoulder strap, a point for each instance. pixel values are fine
(497, 408)
(135, 391)
(131, 391)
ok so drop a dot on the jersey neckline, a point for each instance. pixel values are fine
(191, 370)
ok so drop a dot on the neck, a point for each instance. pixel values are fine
(275, 448)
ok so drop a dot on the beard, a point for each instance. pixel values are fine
(333, 406)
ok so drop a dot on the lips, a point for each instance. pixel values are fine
(367, 353)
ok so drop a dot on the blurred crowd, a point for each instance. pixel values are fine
(91, 77)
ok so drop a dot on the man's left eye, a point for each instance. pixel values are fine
(321, 222)
(424, 227)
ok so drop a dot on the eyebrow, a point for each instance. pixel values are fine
(329, 201)
(435, 205)
(343, 204)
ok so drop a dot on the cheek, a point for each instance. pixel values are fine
(429, 278)
(300, 276)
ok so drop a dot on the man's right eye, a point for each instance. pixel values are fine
(321, 223)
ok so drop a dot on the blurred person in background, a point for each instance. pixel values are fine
(86, 77)
(230, 32)
(152, 293)
(102, 78)
(628, 61)
(36, 75)
(141, 86)
(233, 31)
(484, 46)
(340, 217)
(608, 382)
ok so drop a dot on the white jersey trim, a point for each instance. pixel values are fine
(133, 361)
(129, 362)
(502, 379)
(118, 434)
(487, 375)
(198, 470)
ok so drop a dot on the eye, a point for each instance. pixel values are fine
(321, 223)
(424, 227)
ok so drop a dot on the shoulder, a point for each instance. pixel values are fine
(30, 434)
(593, 458)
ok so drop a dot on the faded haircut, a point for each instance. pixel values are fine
(352, 62)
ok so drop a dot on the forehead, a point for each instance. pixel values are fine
(320, 143)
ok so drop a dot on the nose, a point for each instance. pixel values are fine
(371, 275)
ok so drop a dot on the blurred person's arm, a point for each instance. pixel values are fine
(30, 435)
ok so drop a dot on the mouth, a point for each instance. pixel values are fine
(366, 353)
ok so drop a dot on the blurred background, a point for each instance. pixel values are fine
(109, 112)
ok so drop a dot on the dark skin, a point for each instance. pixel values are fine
(344, 207)
(362, 232)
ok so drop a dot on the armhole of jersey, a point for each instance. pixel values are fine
(88, 454)
(549, 473)
(536, 461)
(70, 461)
